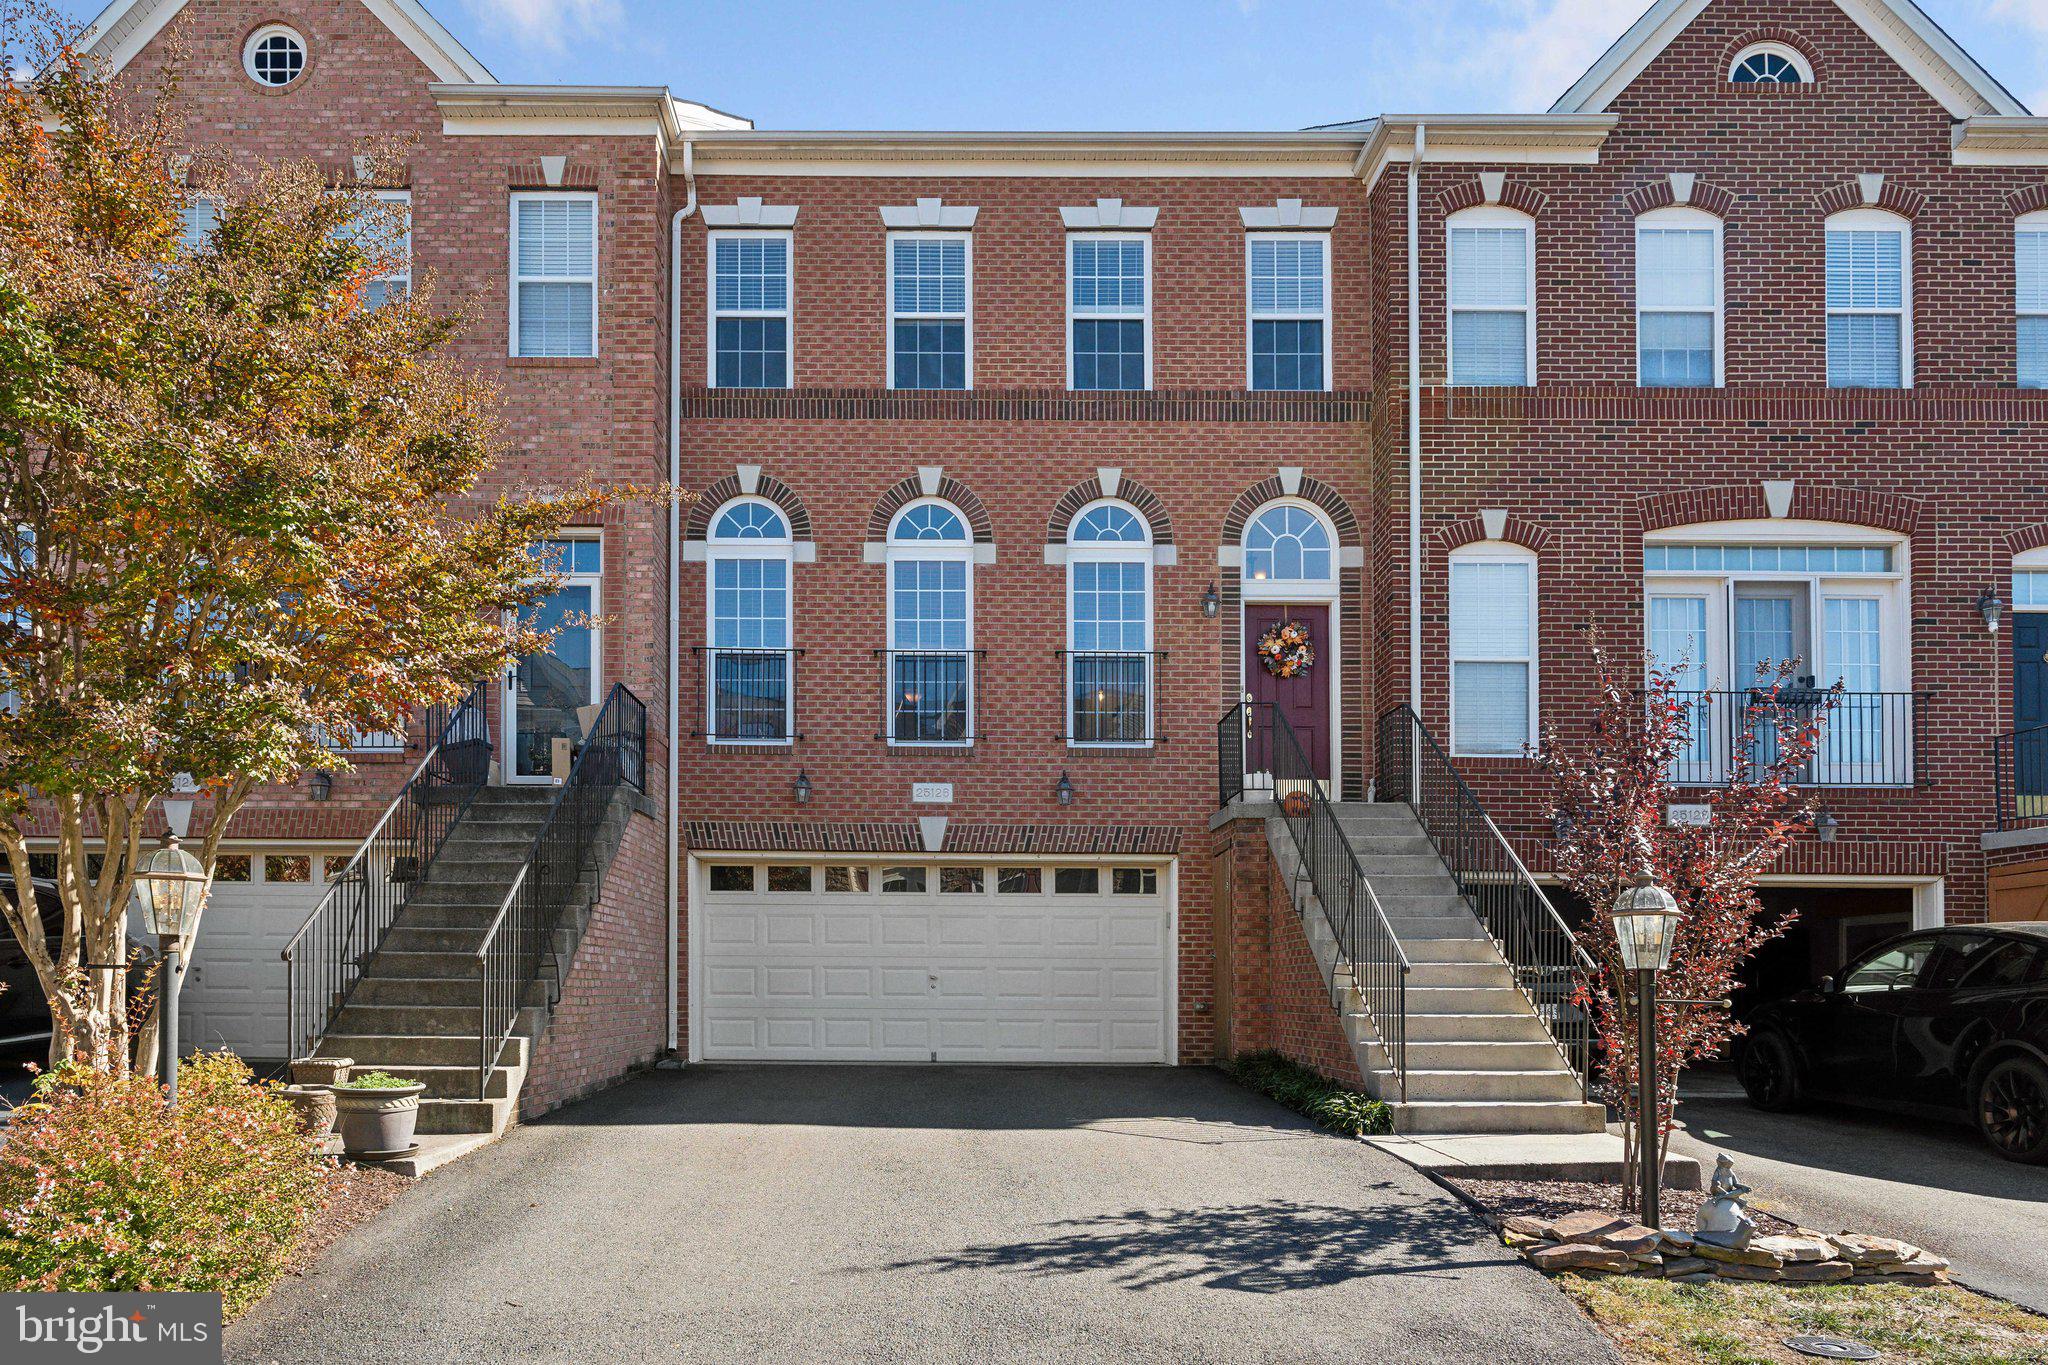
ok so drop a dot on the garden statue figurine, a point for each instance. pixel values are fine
(1724, 1219)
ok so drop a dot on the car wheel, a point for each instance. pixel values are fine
(1770, 1073)
(2012, 1109)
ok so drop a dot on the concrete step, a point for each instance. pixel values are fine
(1382, 867)
(459, 1082)
(1410, 905)
(436, 966)
(1462, 1055)
(450, 1021)
(1519, 1086)
(1432, 881)
(456, 992)
(407, 938)
(469, 916)
(465, 1116)
(1474, 1028)
(1498, 1116)
(1490, 975)
(1371, 846)
(386, 1050)
(1410, 929)
(1447, 950)
(1465, 1000)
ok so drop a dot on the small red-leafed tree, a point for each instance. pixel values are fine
(1611, 794)
(239, 506)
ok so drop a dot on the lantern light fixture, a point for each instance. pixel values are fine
(170, 883)
(802, 788)
(1645, 920)
(1990, 607)
(1064, 791)
(1825, 825)
(1211, 603)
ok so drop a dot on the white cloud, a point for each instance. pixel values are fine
(2032, 16)
(547, 24)
(1530, 51)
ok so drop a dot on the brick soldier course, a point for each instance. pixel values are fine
(1576, 467)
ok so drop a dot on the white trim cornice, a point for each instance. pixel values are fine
(747, 151)
(1500, 140)
(2000, 140)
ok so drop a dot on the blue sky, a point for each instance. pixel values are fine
(1131, 64)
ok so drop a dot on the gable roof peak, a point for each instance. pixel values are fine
(125, 27)
(1919, 45)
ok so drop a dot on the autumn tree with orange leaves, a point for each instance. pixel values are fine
(238, 506)
(1611, 793)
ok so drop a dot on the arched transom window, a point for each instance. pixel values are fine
(1769, 64)
(931, 626)
(1109, 626)
(1288, 543)
(748, 660)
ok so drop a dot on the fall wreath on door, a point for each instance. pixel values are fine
(1286, 650)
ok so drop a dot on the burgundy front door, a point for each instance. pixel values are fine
(1304, 698)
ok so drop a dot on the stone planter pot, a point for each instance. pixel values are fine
(377, 1123)
(316, 1109)
(321, 1070)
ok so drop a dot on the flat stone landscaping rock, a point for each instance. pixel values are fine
(1586, 1225)
(1578, 1256)
(1762, 1260)
(1817, 1272)
(1795, 1248)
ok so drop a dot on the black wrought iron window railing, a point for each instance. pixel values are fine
(1868, 739)
(2020, 772)
(749, 694)
(1109, 696)
(928, 695)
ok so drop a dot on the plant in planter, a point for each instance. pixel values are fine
(376, 1112)
(315, 1106)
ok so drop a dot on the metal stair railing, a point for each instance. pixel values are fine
(613, 754)
(324, 959)
(1548, 964)
(1365, 940)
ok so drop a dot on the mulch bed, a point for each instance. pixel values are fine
(1555, 1198)
(355, 1195)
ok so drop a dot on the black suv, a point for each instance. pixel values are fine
(1951, 1023)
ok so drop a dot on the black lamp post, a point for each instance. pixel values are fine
(1645, 920)
(170, 883)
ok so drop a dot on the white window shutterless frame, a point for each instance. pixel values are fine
(545, 691)
(931, 310)
(930, 563)
(1109, 310)
(1490, 327)
(750, 609)
(750, 323)
(1721, 598)
(1678, 299)
(554, 274)
(1869, 269)
(1287, 311)
(1493, 651)
(2030, 299)
(1109, 627)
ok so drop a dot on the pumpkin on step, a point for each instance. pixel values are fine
(1294, 805)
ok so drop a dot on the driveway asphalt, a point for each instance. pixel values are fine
(811, 1213)
(1931, 1183)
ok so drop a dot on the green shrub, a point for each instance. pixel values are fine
(1330, 1105)
(375, 1080)
(103, 1190)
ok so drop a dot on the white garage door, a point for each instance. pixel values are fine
(234, 994)
(944, 962)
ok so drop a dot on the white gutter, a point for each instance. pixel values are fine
(675, 572)
(1415, 423)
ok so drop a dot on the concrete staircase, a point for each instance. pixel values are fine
(1479, 1058)
(414, 1011)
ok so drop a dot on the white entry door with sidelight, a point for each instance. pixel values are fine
(545, 691)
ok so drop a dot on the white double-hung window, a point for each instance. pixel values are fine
(931, 301)
(1109, 626)
(1492, 297)
(554, 273)
(1870, 300)
(384, 230)
(2030, 281)
(750, 668)
(1678, 299)
(1493, 650)
(750, 309)
(1109, 310)
(1287, 289)
(931, 626)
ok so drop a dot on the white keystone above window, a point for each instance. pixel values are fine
(1287, 213)
(928, 213)
(1109, 213)
(750, 212)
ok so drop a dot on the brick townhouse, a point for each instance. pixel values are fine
(1010, 448)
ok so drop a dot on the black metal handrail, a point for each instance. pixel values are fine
(1367, 949)
(613, 754)
(928, 695)
(324, 958)
(1548, 964)
(1109, 695)
(749, 694)
(2019, 762)
(1872, 739)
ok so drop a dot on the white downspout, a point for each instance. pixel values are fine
(1415, 423)
(675, 576)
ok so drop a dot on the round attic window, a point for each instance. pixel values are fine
(274, 55)
(1770, 64)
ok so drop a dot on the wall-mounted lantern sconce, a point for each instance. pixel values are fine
(802, 789)
(1825, 825)
(1065, 790)
(1211, 604)
(322, 784)
(1990, 607)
